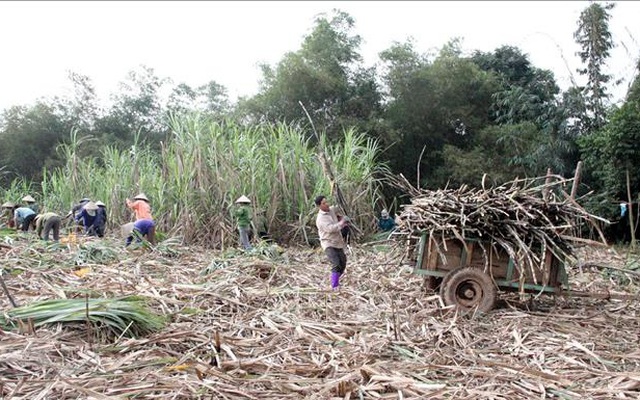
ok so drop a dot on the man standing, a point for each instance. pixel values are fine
(330, 238)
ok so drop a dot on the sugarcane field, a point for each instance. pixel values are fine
(434, 200)
(87, 317)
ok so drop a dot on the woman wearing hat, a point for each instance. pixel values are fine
(144, 226)
(31, 203)
(88, 216)
(100, 221)
(243, 218)
(140, 206)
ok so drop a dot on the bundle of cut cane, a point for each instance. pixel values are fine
(523, 216)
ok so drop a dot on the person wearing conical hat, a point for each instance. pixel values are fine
(7, 214)
(76, 209)
(140, 206)
(243, 219)
(100, 222)
(31, 203)
(144, 225)
(46, 223)
(87, 217)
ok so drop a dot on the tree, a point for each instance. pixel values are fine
(326, 74)
(430, 105)
(595, 40)
(136, 110)
(29, 136)
(210, 99)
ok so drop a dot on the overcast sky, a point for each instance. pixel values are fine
(195, 42)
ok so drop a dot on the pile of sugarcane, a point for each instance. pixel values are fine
(525, 217)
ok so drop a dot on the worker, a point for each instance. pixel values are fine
(88, 217)
(142, 229)
(47, 223)
(386, 223)
(243, 220)
(100, 221)
(331, 240)
(262, 226)
(144, 225)
(76, 209)
(7, 214)
(140, 206)
(31, 203)
(23, 218)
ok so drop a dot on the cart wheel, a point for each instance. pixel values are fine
(468, 288)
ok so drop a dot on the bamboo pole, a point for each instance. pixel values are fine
(576, 180)
(630, 213)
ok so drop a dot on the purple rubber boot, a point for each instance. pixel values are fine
(335, 280)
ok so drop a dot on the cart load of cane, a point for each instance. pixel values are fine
(526, 218)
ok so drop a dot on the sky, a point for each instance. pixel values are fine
(198, 41)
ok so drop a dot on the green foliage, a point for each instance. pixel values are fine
(430, 105)
(595, 40)
(210, 99)
(612, 151)
(127, 316)
(326, 75)
(95, 253)
(28, 137)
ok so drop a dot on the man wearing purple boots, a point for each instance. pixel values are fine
(330, 238)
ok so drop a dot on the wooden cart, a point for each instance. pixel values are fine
(470, 272)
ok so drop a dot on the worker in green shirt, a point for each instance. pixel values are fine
(243, 218)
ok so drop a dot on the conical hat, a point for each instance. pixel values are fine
(8, 204)
(141, 196)
(29, 199)
(90, 206)
(243, 199)
(100, 204)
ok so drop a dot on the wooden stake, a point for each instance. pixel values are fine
(630, 211)
(576, 180)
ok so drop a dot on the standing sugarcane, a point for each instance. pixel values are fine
(326, 167)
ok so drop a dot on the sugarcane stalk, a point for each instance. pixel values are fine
(6, 291)
(326, 167)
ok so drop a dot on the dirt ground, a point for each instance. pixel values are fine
(266, 326)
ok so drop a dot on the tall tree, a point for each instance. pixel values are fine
(210, 99)
(431, 104)
(326, 74)
(29, 135)
(137, 110)
(595, 40)
(532, 115)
